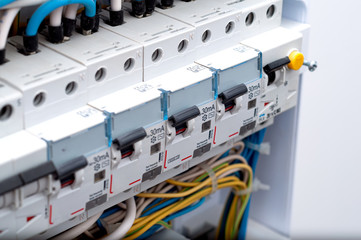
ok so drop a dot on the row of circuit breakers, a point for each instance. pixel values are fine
(90, 122)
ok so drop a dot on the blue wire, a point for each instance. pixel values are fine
(46, 8)
(155, 228)
(156, 201)
(5, 2)
(109, 212)
(243, 226)
(160, 206)
(225, 216)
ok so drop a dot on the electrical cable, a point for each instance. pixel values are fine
(159, 204)
(155, 228)
(79, 229)
(6, 2)
(198, 187)
(120, 232)
(175, 207)
(55, 17)
(116, 5)
(71, 11)
(6, 19)
(235, 184)
(253, 161)
(46, 8)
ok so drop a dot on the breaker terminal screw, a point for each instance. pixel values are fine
(312, 65)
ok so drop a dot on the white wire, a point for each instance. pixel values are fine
(71, 11)
(79, 229)
(55, 17)
(120, 232)
(116, 5)
(6, 19)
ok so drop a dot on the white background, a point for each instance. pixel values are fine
(327, 188)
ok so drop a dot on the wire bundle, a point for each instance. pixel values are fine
(186, 192)
(228, 215)
(156, 208)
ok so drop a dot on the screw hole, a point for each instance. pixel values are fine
(157, 55)
(182, 46)
(129, 64)
(6, 112)
(71, 88)
(229, 28)
(206, 36)
(39, 99)
(249, 19)
(271, 11)
(100, 74)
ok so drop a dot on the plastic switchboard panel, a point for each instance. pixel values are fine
(42, 79)
(147, 100)
(236, 68)
(141, 103)
(11, 108)
(111, 61)
(282, 94)
(168, 43)
(221, 24)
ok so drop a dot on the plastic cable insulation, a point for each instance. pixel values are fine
(120, 232)
(79, 229)
(6, 2)
(116, 5)
(46, 8)
(6, 19)
(179, 206)
(71, 11)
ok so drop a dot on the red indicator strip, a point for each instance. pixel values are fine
(186, 158)
(182, 130)
(50, 214)
(77, 211)
(111, 184)
(28, 219)
(134, 182)
(233, 134)
(229, 108)
(214, 136)
(67, 183)
(127, 154)
(165, 160)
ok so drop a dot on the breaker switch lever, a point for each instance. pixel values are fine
(10, 184)
(38, 172)
(276, 65)
(184, 116)
(229, 95)
(70, 167)
(272, 67)
(128, 139)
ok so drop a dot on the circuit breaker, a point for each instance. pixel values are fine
(97, 118)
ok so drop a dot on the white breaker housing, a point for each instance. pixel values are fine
(112, 62)
(133, 122)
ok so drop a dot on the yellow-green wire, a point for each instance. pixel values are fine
(241, 212)
(164, 224)
(200, 178)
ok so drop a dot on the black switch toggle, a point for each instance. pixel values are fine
(38, 172)
(10, 184)
(271, 68)
(70, 167)
(130, 138)
(184, 116)
(234, 92)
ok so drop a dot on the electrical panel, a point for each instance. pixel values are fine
(94, 120)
